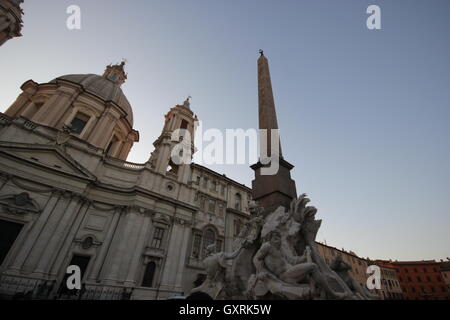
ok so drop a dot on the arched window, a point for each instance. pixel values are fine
(78, 122)
(201, 241)
(172, 168)
(149, 275)
(110, 149)
(237, 201)
(208, 239)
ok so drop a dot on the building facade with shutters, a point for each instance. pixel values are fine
(420, 280)
(390, 284)
(69, 197)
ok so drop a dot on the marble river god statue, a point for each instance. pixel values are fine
(276, 257)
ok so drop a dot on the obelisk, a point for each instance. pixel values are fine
(270, 191)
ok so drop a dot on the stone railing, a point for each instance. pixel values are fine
(10, 285)
(124, 164)
(98, 292)
(4, 118)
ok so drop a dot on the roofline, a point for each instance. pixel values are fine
(346, 252)
(415, 262)
(222, 176)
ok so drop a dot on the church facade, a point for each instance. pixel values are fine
(69, 197)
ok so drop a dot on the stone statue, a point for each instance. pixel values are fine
(215, 265)
(5, 22)
(342, 269)
(281, 273)
(280, 259)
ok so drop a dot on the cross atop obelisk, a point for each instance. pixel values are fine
(270, 191)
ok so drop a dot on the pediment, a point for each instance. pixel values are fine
(50, 157)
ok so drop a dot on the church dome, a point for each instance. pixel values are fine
(106, 87)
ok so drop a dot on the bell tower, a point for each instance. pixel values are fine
(174, 148)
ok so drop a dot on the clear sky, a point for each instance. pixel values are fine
(364, 114)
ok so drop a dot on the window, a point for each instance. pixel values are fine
(113, 141)
(424, 269)
(419, 279)
(200, 243)
(222, 190)
(428, 279)
(405, 270)
(198, 180)
(415, 269)
(413, 289)
(202, 202)
(157, 237)
(149, 274)
(237, 227)
(196, 245)
(205, 182)
(212, 206)
(172, 168)
(208, 239)
(213, 186)
(79, 122)
(409, 279)
(221, 208)
(184, 124)
(237, 201)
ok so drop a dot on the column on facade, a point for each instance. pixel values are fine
(130, 246)
(118, 250)
(116, 149)
(62, 228)
(184, 173)
(139, 249)
(34, 233)
(182, 261)
(68, 237)
(173, 258)
(164, 154)
(23, 101)
(43, 241)
(103, 130)
(126, 147)
(69, 95)
(55, 106)
(101, 256)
